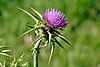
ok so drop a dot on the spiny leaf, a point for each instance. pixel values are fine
(36, 47)
(17, 62)
(50, 36)
(57, 32)
(52, 51)
(30, 26)
(1, 64)
(14, 57)
(25, 64)
(4, 64)
(2, 46)
(36, 40)
(59, 44)
(4, 54)
(5, 50)
(27, 32)
(64, 39)
(28, 14)
(36, 12)
(37, 43)
(21, 57)
(13, 61)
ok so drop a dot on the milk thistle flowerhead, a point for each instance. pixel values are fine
(54, 18)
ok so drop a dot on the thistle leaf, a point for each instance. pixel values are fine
(4, 64)
(27, 32)
(38, 43)
(25, 64)
(59, 44)
(4, 54)
(64, 39)
(57, 32)
(36, 12)
(2, 46)
(21, 57)
(52, 51)
(50, 36)
(5, 50)
(30, 26)
(36, 40)
(28, 14)
(17, 62)
(14, 58)
(1, 64)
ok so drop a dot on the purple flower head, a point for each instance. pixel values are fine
(54, 18)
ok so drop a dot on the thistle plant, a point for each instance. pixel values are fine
(16, 62)
(46, 30)
(3, 51)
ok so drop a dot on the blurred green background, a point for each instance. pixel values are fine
(83, 31)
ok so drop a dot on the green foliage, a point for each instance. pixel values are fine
(3, 51)
(83, 31)
(17, 62)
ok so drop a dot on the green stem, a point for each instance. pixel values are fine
(35, 60)
(36, 53)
